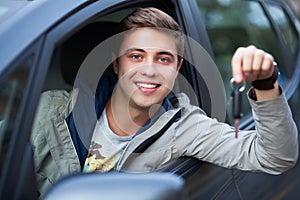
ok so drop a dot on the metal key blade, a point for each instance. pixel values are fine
(236, 124)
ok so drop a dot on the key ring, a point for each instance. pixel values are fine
(234, 85)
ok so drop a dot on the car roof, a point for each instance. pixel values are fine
(22, 22)
(9, 8)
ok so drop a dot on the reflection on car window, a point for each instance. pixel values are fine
(289, 34)
(231, 24)
(11, 93)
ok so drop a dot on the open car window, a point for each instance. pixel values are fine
(70, 54)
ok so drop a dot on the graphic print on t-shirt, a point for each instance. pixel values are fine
(95, 162)
(105, 149)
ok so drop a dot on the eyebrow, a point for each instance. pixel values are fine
(143, 51)
(167, 53)
(134, 49)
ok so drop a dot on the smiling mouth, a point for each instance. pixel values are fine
(147, 85)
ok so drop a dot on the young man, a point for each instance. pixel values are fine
(140, 129)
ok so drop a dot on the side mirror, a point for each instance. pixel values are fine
(125, 186)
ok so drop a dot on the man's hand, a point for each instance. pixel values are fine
(250, 64)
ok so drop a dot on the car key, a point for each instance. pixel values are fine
(237, 91)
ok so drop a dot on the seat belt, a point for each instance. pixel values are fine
(148, 142)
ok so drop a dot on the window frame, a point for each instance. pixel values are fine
(12, 178)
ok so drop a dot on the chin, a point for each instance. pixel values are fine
(146, 104)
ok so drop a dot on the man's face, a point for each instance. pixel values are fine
(147, 67)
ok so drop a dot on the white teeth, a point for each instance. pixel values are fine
(147, 85)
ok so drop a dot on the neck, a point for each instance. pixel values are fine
(124, 120)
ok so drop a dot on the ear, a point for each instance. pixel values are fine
(180, 62)
(115, 63)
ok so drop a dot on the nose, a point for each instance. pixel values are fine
(149, 68)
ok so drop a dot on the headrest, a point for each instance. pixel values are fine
(75, 50)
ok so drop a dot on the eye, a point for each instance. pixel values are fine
(164, 60)
(135, 57)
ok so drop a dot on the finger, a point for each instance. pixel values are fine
(247, 61)
(236, 64)
(267, 66)
(257, 61)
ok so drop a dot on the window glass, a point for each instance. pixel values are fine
(289, 35)
(11, 94)
(232, 23)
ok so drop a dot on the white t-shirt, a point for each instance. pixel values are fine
(106, 147)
